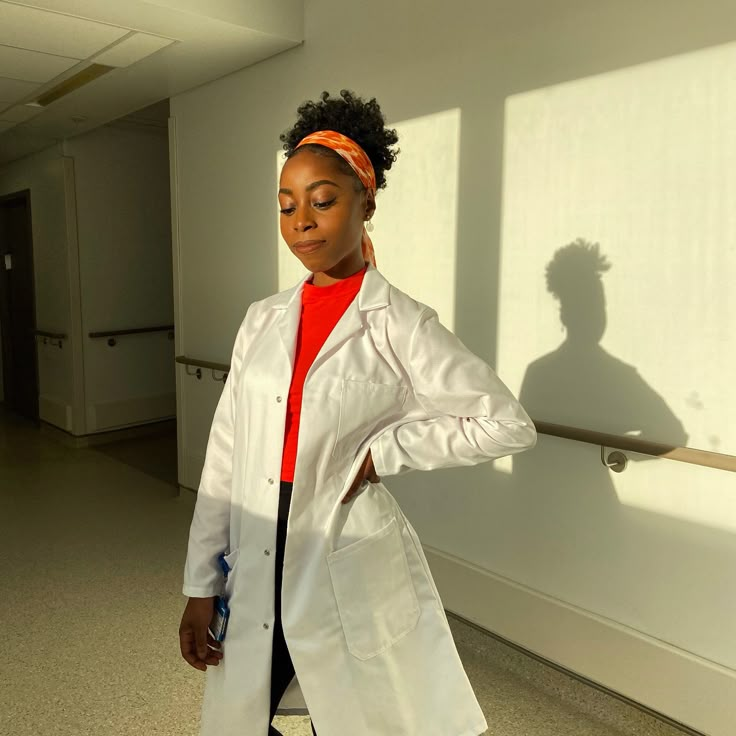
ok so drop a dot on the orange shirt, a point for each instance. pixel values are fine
(322, 307)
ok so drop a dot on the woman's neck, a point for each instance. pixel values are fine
(323, 278)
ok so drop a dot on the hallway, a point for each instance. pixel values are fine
(93, 545)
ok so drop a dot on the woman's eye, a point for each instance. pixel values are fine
(322, 205)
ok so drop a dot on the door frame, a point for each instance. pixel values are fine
(24, 196)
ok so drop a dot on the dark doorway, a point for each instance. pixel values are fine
(18, 305)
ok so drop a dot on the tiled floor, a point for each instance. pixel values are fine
(92, 545)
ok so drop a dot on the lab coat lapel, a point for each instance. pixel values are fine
(373, 294)
(348, 325)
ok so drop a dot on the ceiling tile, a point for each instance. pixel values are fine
(32, 66)
(20, 113)
(54, 33)
(132, 49)
(12, 90)
(209, 45)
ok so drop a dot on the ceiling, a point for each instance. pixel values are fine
(150, 50)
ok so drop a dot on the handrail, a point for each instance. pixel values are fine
(184, 360)
(133, 331)
(199, 364)
(52, 335)
(57, 338)
(643, 447)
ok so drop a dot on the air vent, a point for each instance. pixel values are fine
(87, 75)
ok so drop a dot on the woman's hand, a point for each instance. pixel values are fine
(366, 472)
(194, 636)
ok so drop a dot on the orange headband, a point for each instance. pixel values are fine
(358, 159)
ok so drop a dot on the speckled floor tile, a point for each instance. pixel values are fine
(93, 544)
(490, 662)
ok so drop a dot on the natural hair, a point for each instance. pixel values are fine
(573, 265)
(352, 116)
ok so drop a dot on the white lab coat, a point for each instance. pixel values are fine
(362, 618)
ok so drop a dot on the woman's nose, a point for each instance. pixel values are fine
(303, 220)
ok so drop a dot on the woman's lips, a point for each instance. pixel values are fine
(307, 246)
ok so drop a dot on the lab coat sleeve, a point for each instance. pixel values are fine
(209, 533)
(471, 416)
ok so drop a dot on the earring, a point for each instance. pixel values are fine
(369, 226)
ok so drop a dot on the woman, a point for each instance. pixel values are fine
(333, 383)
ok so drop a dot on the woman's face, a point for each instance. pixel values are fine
(322, 215)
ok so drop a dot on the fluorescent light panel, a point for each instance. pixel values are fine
(92, 72)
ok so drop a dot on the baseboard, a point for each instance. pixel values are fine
(678, 684)
(105, 415)
(193, 464)
(150, 429)
(55, 412)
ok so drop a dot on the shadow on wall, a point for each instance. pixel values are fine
(580, 373)
(566, 500)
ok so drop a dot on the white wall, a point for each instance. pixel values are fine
(102, 259)
(625, 580)
(47, 176)
(124, 233)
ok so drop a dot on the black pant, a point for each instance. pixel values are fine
(282, 670)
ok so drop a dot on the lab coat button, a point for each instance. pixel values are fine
(267, 552)
(265, 626)
(278, 398)
(270, 481)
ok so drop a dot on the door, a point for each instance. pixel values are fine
(18, 305)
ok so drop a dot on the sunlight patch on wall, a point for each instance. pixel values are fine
(691, 493)
(416, 215)
(618, 255)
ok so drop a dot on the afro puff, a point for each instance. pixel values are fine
(575, 264)
(360, 120)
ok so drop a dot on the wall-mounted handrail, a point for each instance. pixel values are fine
(51, 335)
(56, 338)
(199, 364)
(184, 360)
(133, 331)
(643, 447)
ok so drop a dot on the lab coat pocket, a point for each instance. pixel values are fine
(364, 408)
(374, 591)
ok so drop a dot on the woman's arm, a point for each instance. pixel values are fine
(471, 416)
(209, 534)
